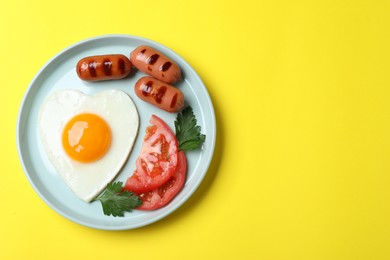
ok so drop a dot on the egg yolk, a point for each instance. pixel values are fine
(86, 137)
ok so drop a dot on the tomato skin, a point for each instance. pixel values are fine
(162, 195)
(158, 158)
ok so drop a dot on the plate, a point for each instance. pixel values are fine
(59, 73)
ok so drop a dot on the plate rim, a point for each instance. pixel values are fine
(19, 133)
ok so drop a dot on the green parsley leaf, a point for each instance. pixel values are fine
(187, 132)
(115, 201)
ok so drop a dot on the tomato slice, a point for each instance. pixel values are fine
(158, 158)
(161, 196)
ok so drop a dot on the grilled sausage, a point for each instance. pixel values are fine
(103, 67)
(155, 64)
(160, 94)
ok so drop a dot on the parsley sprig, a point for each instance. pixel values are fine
(187, 131)
(115, 201)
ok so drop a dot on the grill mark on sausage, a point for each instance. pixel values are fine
(160, 94)
(173, 102)
(152, 59)
(141, 54)
(165, 66)
(121, 66)
(147, 88)
(107, 67)
(92, 68)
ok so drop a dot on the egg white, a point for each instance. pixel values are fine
(87, 180)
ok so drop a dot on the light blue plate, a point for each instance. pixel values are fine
(59, 73)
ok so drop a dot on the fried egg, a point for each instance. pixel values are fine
(88, 139)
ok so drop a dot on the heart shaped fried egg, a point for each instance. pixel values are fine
(88, 139)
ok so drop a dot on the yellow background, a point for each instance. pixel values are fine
(301, 91)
